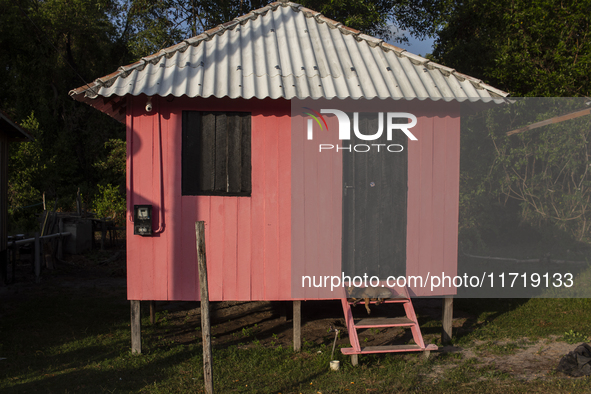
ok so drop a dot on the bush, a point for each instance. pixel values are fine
(110, 202)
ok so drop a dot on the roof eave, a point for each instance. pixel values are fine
(15, 132)
(91, 92)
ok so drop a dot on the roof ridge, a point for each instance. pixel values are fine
(374, 41)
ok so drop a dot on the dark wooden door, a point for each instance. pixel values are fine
(374, 203)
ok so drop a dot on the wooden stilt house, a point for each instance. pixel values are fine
(217, 131)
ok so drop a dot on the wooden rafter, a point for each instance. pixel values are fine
(556, 119)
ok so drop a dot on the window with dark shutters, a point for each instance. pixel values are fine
(216, 154)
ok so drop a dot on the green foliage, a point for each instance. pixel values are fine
(571, 337)
(545, 170)
(370, 17)
(46, 49)
(537, 48)
(110, 202)
(421, 18)
(541, 177)
(25, 168)
(145, 26)
(26, 174)
(49, 47)
(112, 167)
(540, 48)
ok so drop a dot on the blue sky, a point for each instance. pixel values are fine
(416, 46)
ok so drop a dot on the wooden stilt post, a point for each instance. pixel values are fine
(152, 312)
(447, 318)
(136, 327)
(78, 203)
(37, 258)
(103, 223)
(297, 326)
(4, 267)
(60, 242)
(283, 310)
(205, 326)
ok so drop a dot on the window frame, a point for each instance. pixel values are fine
(204, 137)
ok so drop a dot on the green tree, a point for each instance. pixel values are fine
(547, 169)
(25, 178)
(148, 26)
(46, 49)
(544, 173)
(529, 48)
(110, 203)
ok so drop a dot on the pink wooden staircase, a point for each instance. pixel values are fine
(410, 321)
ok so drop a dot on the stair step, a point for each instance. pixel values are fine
(383, 349)
(384, 322)
(397, 299)
(409, 320)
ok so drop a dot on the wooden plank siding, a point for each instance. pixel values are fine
(317, 184)
(260, 246)
(433, 195)
(146, 275)
(248, 238)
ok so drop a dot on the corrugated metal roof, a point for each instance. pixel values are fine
(286, 51)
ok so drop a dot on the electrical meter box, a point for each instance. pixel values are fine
(142, 220)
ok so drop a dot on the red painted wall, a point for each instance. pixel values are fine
(291, 225)
(317, 187)
(433, 194)
(247, 238)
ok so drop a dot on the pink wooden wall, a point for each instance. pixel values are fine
(317, 209)
(433, 194)
(247, 238)
(258, 247)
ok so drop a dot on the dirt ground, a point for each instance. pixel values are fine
(531, 360)
(248, 324)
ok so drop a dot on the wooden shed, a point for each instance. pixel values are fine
(218, 131)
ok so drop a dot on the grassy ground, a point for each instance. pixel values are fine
(68, 344)
(76, 339)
